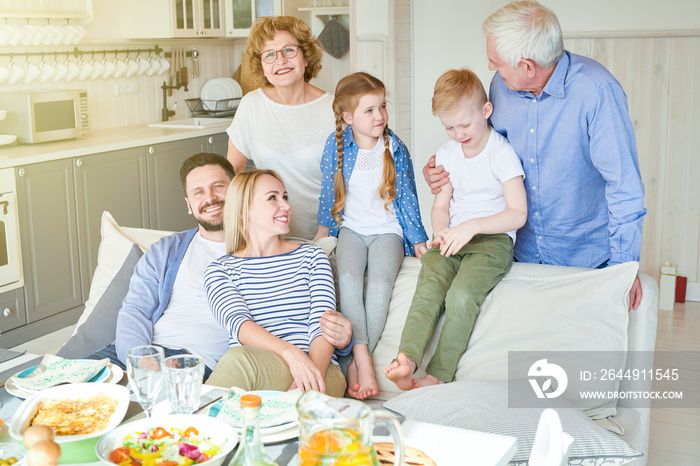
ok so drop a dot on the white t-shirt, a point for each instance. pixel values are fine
(477, 182)
(364, 210)
(187, 321)
(288, 139)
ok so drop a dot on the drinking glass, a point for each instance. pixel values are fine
(183, 379)
(144, 367)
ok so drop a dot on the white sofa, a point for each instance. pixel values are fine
(534, 308)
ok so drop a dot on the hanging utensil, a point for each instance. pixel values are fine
(171, 75)
(195, 63)
(178, 74)
(185, 72)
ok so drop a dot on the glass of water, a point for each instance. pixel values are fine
(144, 367)
(183, 379)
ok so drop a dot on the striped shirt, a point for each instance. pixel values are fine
(285, 294)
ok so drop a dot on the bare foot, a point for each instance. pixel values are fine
(401, 372)
(365, 372)
(353, 385)
(426, 381)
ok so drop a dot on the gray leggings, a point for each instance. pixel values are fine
(380, 256)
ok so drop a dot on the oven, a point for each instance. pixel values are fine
(10, 254)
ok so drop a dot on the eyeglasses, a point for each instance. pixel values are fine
(288, 51)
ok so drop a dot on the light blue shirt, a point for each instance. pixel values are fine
(405, 202)
(585, 196)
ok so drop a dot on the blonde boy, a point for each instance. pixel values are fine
(474, 220)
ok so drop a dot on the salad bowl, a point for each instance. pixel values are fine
(211, 433)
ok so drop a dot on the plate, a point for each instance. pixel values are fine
(28, 409)
(110, 374)
(214, 90)
(6, 139)
(220, 432)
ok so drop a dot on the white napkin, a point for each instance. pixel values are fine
(274, 411)
(551, 445)
(53, 370)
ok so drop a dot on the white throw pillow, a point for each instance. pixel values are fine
(534, 308)
(114, 248)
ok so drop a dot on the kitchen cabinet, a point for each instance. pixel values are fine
(114, 181)
(167, 197)
(240, 14)
(49, 234)
(12, 313)
(172, 18)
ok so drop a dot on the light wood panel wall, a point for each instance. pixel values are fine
(661, 76)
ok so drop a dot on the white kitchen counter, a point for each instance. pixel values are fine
(98, 141)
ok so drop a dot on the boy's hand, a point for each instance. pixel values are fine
(438, 238)
(457, 237)
(436, 177)
(419, 249)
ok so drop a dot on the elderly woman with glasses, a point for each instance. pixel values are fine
(283, 124)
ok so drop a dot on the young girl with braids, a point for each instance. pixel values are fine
(368, 200)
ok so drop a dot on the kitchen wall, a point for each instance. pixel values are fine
(217, 58)
(653, 49)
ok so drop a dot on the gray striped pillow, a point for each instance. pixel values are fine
(483, 406)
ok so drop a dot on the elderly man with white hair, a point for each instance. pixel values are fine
(567, 118)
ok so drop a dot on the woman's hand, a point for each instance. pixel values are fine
(306, 375)
(436, 177)
(337, 329)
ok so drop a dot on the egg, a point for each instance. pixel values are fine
(46, 453)
(35, 434)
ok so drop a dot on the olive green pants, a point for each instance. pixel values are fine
(455, 286)
(252, 368)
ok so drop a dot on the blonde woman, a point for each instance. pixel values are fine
(270, 294)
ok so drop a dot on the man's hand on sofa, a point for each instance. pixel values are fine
(636, 293)
(337, 329)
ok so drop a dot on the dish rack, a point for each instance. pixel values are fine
(213, 108)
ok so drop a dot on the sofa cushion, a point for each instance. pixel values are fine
(483, 406)
(534, 308)
(115, 246)
(99, 329)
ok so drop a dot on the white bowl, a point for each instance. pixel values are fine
(29, 407)
(13, 449)
(220, 432)
(6, 139)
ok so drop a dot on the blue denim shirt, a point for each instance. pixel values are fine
(405, 202)
(585, 196)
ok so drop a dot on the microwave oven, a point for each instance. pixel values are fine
(45, 116)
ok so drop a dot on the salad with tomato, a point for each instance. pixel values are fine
(159, 447)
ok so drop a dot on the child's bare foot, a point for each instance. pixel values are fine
(353, 385)
(401, 372)
(426, 381)
(365, 371)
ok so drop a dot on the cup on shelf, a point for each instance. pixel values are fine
(60, 34)
(61, 71)
(47, 72)
(28, 33)
(143, 65)
(51, 32)
(31, 72)
(70, 35)
(73, 70)
(120, 68)
(164, 65)
(81, 32)
(85, 70)
(154, 66)
(10, 34)
(97, 69)
(40, 33)
(109, 68)
(131, 68)
(16, 73)
(4, 73)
